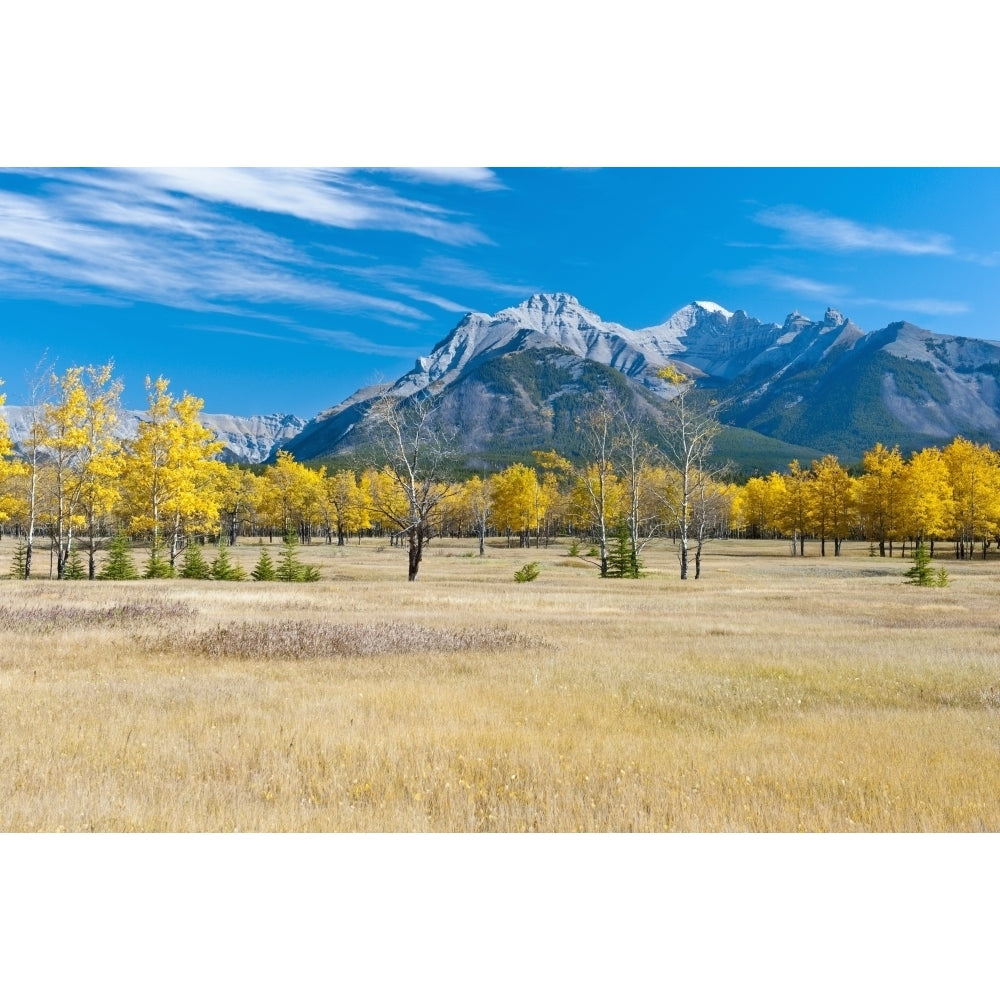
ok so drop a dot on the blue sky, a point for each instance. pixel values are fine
(282, 290)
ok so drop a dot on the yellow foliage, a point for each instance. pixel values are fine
(670, 374)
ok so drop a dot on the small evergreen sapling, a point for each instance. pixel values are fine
(920, 573)
(194, 566)
(19, 561)
(622, 558)
(119, 565)
(223, 569)
(158, 568)
(289, 569)
(264, 570)
(74, 569)
(527, 573)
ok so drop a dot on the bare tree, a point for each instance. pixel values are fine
(409, 441)
(617, 486)
(635, 455)
(596, 486)
(688, 433)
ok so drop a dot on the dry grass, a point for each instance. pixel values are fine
(775, 694)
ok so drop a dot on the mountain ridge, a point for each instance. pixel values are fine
(814, 384)
(250, 440)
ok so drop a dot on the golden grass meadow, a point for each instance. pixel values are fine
(776, 694)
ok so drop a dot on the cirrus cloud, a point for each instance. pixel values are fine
(807, 228)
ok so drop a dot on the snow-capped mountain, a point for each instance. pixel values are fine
(244, 439)
(544, 322)
(518, 379)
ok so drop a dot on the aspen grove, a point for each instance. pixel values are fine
(75, 484)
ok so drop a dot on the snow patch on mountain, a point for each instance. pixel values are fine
(713, 307)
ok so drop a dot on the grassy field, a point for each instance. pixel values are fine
(775, 694)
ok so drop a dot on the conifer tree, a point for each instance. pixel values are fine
(223, 569)
(290, 569)
(623, 561)
(920, 573)
(119, 565)
(18, 560)
(194, 565)
(264, 570)
(74, 568)
(158, 568)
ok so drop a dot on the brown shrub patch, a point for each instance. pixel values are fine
(298, 640)
(60, 617)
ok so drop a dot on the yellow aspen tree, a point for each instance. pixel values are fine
(10, 471)
(237, 493)
(555, 503)
(313, 505)
(168, 481)
(386, 501)
(81, 450)
(728, 493)
(880, 494)
(297, 492)
(347, 502)
(558, 476)
(476, 500)
(451, 516)
(101, 461)
(539, 500)
(759, 503)
(194, 505)
(267, 505)
(794, 515)
(833, 507)
(63, 439)
(515, 495)
(975, 489)
(929, 507)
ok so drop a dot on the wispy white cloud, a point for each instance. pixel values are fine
(819, 230)
(357, 344)
(480, 178)
(419, 295)
(985, 259)
(925, 307)
(329, 197)
(254, 334)
(782, 282)
(101, 234)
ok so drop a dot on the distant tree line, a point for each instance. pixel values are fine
(79, 486)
